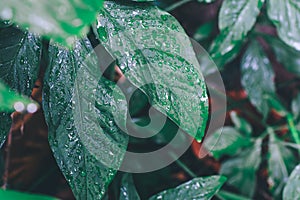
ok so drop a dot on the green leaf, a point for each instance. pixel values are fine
(241, 170)
(291, 190)
(289, 57)
(286, 17)
(296, 106)
(19, 64)
(203, 188)
(83, 111)
(224, 195)
(128, 190)
(257, 77)
(204, 31)
(280, 164)
(10, 100)
(236, 19)
(229, 141)
(241, 124)
(8, 194)
(156, 55)
(57, 19)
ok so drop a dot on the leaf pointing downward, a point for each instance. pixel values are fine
(79, 107)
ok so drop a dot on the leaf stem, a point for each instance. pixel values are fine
(293, 129)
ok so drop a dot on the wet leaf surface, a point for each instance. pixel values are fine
(60, 20)
(257, 77)
(203, 188)
(155, 55)
(83, 114)
(286, 17)
(19, 62)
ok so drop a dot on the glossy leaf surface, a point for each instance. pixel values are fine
(155, 55)
(83, 111)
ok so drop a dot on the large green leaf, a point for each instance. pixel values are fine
(203, 188)
(229, 141)
(241, 170)
(289, 57)
(156, 55)
(19, 63)
(292, 188)
(286, 17)
(241, 124)
(8, 194)
(58, 19)
(83, 111)
(128, 190)
(280, 163)
(257, 77)
(236, 19)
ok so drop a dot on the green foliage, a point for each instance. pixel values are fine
(7, 194)
(83, 134)
(198, 188)
(229, 141)
(162, 67)
(59, 19)
(281, 12)
(128, 190)
(291, 190)
(241, 169)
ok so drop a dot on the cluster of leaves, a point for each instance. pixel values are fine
(86, 113)
(260, 40)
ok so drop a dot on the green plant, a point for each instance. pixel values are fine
(152, 63)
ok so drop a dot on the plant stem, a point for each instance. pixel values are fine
(293, 129)
(176, 5)
(186, 168)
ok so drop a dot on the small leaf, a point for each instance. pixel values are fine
(286, 17)
(280, 164)
(83, 111)
(229, 141)
(289, 57)
(203, 188)
(241, 170)
(257, 77)
(128, 190)
(292, 188)
(19, 64)
(236, 19)
(7, 194)
(61, 20)
(156, 55)
(241, 124)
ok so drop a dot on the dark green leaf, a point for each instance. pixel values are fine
(241, 170)
(292, 188)
(155, 54)
(289, 57)
(286, 17)
(257, 77)
(58, 19)
(83, 111)
(280, 164)
(19, 62)
(7, 194)
(224, 195)
(241, 124)
(203, 188)
(128, 190)
(204, 31)
(236, 19)
(229, 141)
